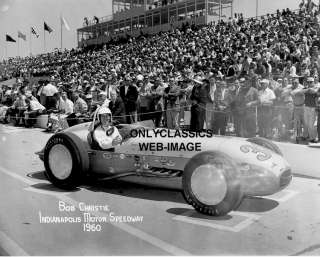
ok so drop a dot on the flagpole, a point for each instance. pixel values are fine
(6, 49)
(18, 47)
(61, 29)
(30, 44)
(44, 40)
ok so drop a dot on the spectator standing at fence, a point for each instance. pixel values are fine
(48, 92)
(285, 109)
(172, 97)
(249, 96)
(129, 95)
(239, 107)
(198, 97)
(310, 101)
(230, 99)
(265, 109)
(117, 108)
(209, 105)
(145, 100)
(220, 117)
(157, 91)
(298, 110)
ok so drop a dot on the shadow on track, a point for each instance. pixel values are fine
(52, 188)
(257, 204)
(133, 190)
(41, 175)
(147, 192)
(185, 212)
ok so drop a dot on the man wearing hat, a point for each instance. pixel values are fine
(265, 107)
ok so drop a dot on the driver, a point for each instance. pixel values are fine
(106, 135)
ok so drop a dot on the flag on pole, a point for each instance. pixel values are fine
(34, 32)
(10, 39)
(65, 23)
(47, 28)
(22, 36)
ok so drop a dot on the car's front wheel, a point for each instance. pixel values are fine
(65, 160)
(211, 183)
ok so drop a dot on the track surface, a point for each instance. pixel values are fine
(287, 223)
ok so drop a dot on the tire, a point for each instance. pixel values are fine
(228, 194)
(66, 161)
(266, 143)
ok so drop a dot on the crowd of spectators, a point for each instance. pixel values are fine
(238, 76)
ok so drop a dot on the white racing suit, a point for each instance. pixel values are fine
(105, 137)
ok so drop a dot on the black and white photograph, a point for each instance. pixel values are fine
(159, 127)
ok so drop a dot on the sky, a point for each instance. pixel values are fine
(22, 14)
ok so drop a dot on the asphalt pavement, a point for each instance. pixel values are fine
(144, 220)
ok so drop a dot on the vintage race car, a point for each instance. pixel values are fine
(213, 179)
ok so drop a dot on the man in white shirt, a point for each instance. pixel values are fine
(65, 105)
(34, 109)
(49, 91)
(265, 109)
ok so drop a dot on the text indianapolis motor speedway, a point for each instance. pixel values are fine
(90, 218)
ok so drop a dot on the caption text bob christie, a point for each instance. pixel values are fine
(90, 214)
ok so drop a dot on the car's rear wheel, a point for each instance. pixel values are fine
(66, 160)
(266, 143)
(211, 184)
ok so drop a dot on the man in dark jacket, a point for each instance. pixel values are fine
(199, 98)
(117, 108)
(129, 95)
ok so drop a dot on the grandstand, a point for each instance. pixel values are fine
(136, 17)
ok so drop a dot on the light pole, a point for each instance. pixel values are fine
(220, 10)
(257, 8)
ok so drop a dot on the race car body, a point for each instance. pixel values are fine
(214, 172)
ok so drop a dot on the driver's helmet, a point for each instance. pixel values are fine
(104, 111)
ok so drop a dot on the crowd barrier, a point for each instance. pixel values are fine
(42, 120)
